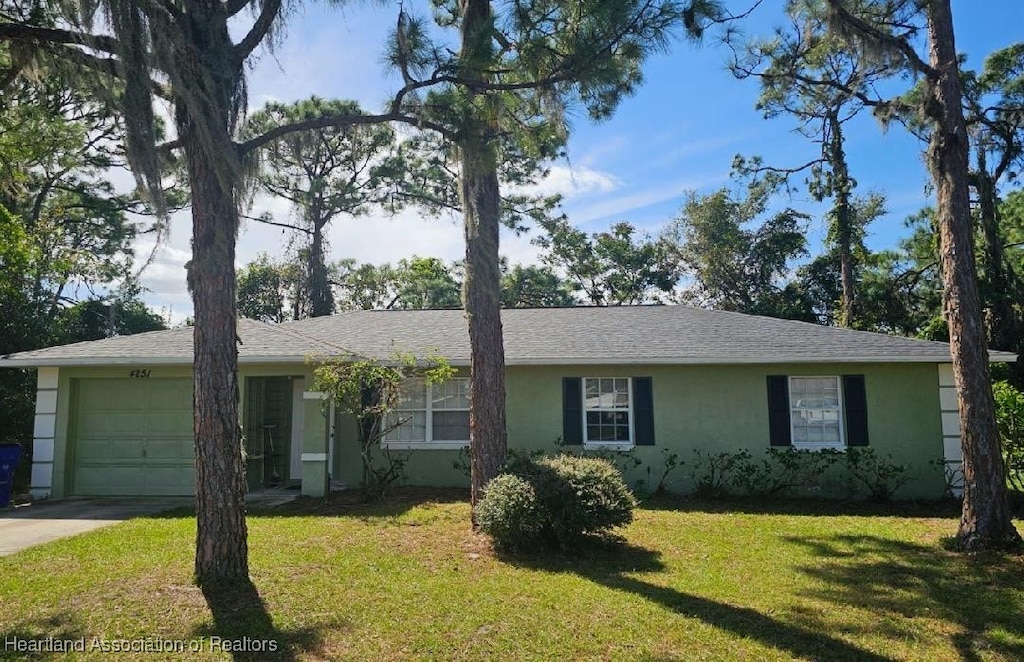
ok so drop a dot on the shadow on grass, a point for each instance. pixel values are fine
(354, 503)
(615, 563)
(242, 625)
(802, 506)
(898, 581)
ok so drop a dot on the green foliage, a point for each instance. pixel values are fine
(714, 474)
(1010, 418)
(533, 287)
(267, 289)
(370, 390)
(782, 469)
(671, 462)
(555, 500)
(880, 477)
(510, 513)
(734, 268)
(612, 268)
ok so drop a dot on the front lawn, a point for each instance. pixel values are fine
(407, 579)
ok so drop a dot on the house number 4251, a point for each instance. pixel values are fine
(140, 374)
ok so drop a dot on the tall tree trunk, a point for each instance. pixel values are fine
(321, 299)
(222, 551)
(985, 522)
(221, 537)
(844, 223)
(1001, 323)
(480, 197)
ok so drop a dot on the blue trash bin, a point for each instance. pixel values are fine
(9, 455)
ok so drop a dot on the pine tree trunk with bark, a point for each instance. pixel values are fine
(1001, 318)
(985, 522)
(221, 537)
(480, 197)
(843, 223)
(321, 299)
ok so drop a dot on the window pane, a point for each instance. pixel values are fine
(412, 426)
(413, 395)
(607, 409)
(816, 416)
(452, 394)
(451, 426)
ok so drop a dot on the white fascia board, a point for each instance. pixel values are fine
(728, 360)
(93, 361)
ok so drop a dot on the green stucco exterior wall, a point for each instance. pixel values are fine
(709, 408)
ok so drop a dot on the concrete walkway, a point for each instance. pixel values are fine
(37, 523)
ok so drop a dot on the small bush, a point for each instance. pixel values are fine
(879, 476)
(713, 473)
(583, 495)
(782, 470)
(559, 499)
(509, 513)
(1010, 417)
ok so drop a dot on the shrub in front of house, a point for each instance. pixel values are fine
(509, 512)
(572, 498)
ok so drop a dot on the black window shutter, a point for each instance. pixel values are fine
(572, 410)
(643, 411)
(855, 404)
(779, 433)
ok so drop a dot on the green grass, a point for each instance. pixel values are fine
(407, 579)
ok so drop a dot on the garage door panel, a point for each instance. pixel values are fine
(129, 395)
(169, 423)
(93, 450)
(168, 396)
(126, 449)
(133, 437)
(110, 480)
(169, 449)
(93, 424)
(128, 423)
(93, 399)
(167, 480)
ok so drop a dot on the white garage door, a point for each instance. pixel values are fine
(133, 437)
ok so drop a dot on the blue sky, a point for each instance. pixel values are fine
(679, 133)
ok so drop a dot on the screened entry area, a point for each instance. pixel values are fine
(271, 432)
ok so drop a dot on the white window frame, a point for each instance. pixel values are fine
(841, 411)
(429, 410)
(608, 445)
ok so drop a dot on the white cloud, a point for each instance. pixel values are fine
(622, 206)
(573, 182)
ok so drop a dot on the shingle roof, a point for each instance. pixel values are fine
(584, 335)
(260, 342)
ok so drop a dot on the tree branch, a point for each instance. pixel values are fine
(259, 30)
(105, 65)
(267, 221)
(871, 32)
(232, 7)
(337, 122)
(17, 32)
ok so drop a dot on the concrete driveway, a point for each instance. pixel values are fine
(44, 521)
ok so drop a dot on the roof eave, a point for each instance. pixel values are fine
(994, 357)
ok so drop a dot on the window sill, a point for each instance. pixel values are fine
(819, 447)
(608, 446)
(424, 445)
